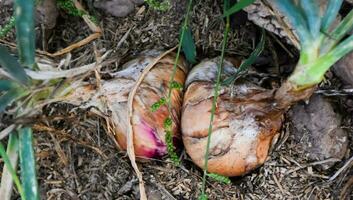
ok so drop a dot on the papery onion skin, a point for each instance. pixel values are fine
(149, 132)
(243, 127)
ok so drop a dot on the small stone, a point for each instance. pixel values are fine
(316, 128)
(117, 8)
(47, 13)
(138, 2)
(344, 69)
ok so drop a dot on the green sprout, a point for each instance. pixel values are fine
(69, 7)
(159, 5)
(7, 27)
(321, 47)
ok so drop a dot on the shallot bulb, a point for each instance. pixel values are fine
(148, 126)
(244, 126)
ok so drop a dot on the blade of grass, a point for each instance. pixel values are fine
(12, 66)
(237, 7)
(25, 31)
(171, 81)
(214, 101)
(9, 175)
(249, 61)
(330, 14)
(188, 46)
(27, 163)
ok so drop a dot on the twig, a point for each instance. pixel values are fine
(345, 166)
(342, 92)
(311, 164)
(130, 142)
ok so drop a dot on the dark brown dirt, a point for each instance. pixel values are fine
(77, 160)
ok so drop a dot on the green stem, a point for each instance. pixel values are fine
(25, 31)
(296, 18)
(12, 148)
(27, 162)
(184, 28)
(330, 15)
(312, 14)
(312, 73)
(214, 102)
(338, 33)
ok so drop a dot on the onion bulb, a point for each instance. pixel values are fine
(148, 127)
(244, 124)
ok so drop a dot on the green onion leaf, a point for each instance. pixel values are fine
(10, 159)
(28, 164)
(330, 14)
(313, 73)
(312, 13)
(6, 85)
(237, 7)
(188, 46)
(341, 30)
(296, 18)
(25, 31)
(9, 97)
(12, 66)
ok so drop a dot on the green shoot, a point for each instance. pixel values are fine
(172, 84)
(215, 97)
(12, 149)
(188, 46)
(12, 66)
(28, 165)
(69, 7)
(169, 141)
(158, 5)
(8, 26)
(219, 178)
(237, 7)
(333, 7)
(158, 104)
(319, 50)
(25, 31)
(168, 123)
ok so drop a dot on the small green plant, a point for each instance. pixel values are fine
(69, 7)
(219, 178)
(173, 85)
(162, 5)
(7, 27)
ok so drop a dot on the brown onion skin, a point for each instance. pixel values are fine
(244, 126)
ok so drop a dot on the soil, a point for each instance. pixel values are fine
(76, 158)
